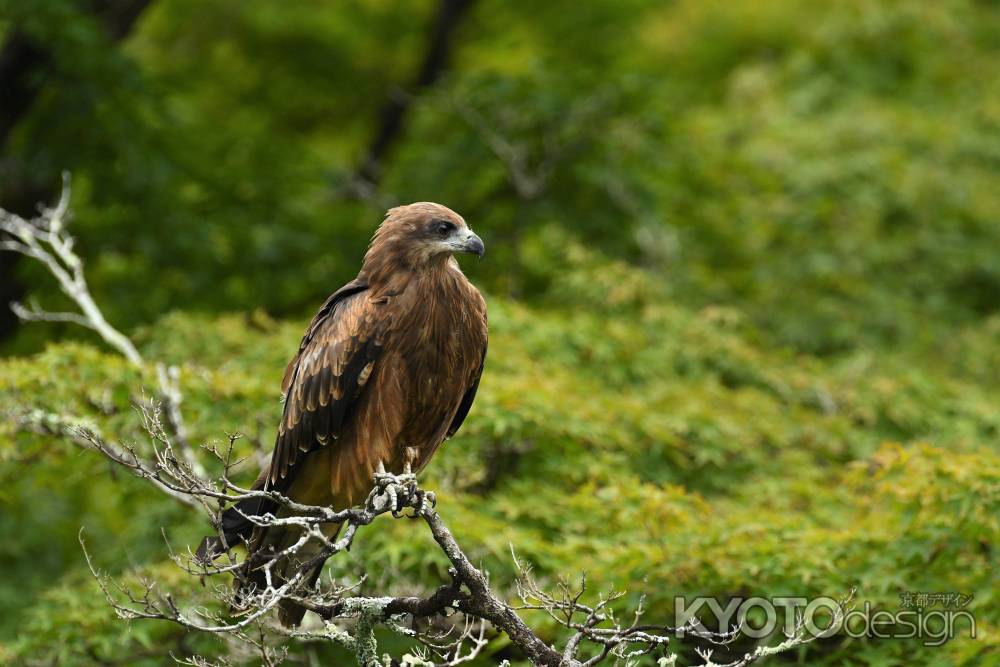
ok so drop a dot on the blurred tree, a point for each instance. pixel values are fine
(739, 153)
(437, 53)
(27, 66)
(755, 245)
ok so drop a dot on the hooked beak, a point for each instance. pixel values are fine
(473, 244)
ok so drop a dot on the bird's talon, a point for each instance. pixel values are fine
(402, 492)
(418, 501)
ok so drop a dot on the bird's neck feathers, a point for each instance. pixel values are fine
(393, 263)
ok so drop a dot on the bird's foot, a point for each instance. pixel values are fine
(403, 492)
(398, 488)
(421, 501)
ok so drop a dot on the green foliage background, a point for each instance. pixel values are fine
(745, 336)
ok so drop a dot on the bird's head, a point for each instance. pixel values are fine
(422, 235)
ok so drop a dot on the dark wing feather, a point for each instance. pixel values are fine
(325, 377)
(355, 286)
(321, 382)
(467, 399)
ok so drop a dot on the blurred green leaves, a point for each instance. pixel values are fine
(828, 166)
(664, 452)
(742, 271)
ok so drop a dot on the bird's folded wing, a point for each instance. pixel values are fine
(467, 399)
(335, 360)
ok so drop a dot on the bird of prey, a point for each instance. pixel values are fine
(386, 371)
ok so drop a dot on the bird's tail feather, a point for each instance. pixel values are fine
(235, 528)
(275, 541)
(290, 613)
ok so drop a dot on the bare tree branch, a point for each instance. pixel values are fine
(46, 239)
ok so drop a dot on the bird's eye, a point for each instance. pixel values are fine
(443, 227)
